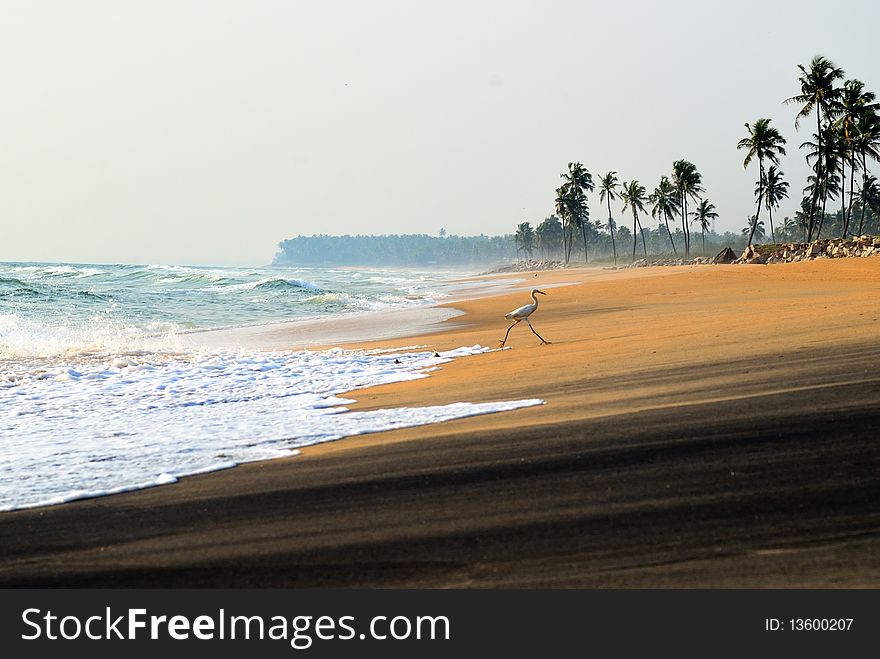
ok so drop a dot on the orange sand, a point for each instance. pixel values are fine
(616, 336)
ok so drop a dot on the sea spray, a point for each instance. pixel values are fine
(74, 431)
(102, 391)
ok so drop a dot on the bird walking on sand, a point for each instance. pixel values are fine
(522, 314)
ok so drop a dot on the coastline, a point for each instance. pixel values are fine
(371, 327)
(687, 440)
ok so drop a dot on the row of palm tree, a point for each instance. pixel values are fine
(547, 242)
(847, 135)
(668, 200)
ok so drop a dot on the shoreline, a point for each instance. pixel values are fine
(647, 466)
(370, 327)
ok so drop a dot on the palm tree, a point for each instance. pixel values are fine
(525, 238)
(633, 196)
(775, 190)
(755, 229)
(817, 91)
(854, 102)
(867, 143)
(665, 202)
(824, 183)
(763, 141)
(577, 183)
(607, 187)
(704, 214)
(689, 183)
(563, 210)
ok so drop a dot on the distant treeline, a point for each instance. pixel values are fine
(420, 250)
(398, 250)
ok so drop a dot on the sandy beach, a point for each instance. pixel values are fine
(705, 426)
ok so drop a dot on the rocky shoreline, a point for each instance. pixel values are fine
(831, 248)
(529, 265)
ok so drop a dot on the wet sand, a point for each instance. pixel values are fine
(704, 427)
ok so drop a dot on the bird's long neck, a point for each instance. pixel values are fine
(534, 299)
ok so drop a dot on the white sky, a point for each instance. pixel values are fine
(205, 132)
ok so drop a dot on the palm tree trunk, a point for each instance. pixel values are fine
(852, 187)
(611, 227)
(815, 197)
(760, 198)
(703, 232)
(814, 202)
(822, 217)
(684, 230)
(635, 235)
(842, 197)
(687, 229)
(584, 235)
(770, 213)
(666, 219)
(642, 231)
(569, 241)
(565, 232)
(864, 183)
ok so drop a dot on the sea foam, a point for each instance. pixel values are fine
(69, 431)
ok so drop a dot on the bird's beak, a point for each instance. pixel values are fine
(541, 292)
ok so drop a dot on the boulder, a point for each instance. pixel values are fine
(726, 255)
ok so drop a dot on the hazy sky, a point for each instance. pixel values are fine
(205, 132)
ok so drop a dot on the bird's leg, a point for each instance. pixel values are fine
(504, 340)
(535, 333)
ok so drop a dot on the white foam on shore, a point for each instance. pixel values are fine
(74, 431)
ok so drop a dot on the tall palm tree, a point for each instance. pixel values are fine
(854, 102)
(665, 202)
(689, 183)
(634, 197)
(817, 91)
(704, 214)
(775, 189)
(607, 192)
(763, 141)
(577, 183)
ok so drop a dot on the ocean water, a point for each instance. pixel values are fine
(100, 391)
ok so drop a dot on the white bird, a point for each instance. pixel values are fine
(523, 313)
